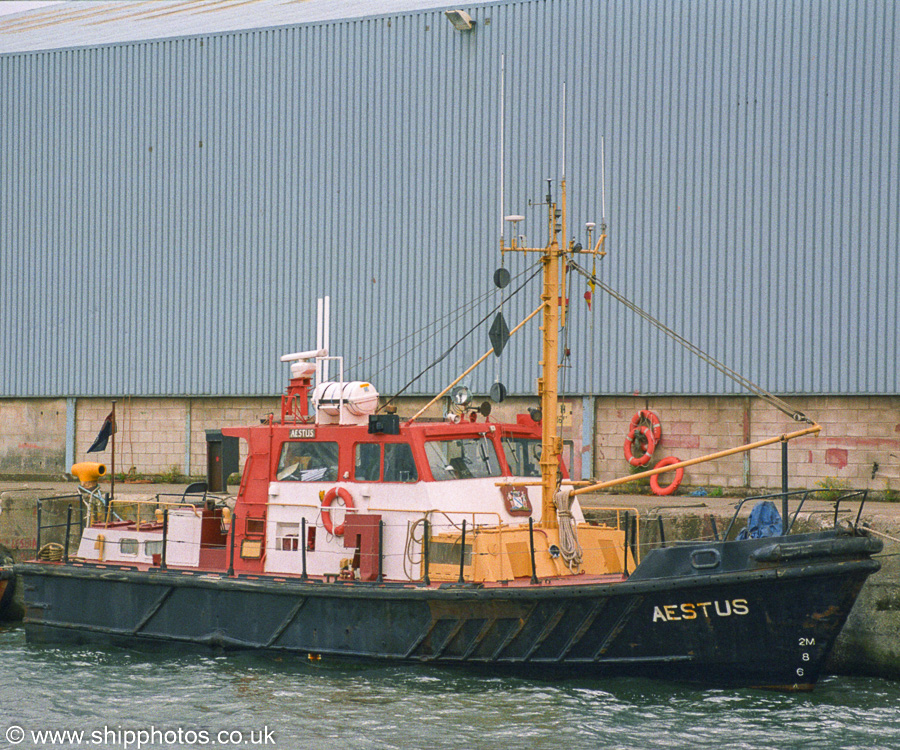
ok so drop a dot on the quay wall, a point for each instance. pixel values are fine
(858, 448)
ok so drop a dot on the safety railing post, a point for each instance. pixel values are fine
(40, 508)
(462, 554)
(68, 532)
(380, 551)
(231, 546)
(165, 539)
(426, 577)
(784, 487)
(534, 578)
(303, 575)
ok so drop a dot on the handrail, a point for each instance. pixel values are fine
(805, 496)
(67, 525)
(849, 496)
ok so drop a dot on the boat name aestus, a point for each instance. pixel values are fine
(691, 610)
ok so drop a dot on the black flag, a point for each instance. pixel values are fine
(109, 426)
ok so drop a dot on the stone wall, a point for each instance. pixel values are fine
(859, 446)
(32, 436)
(161, 435)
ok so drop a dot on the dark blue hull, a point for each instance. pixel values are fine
(733, 614)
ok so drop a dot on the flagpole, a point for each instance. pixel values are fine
(112, 486)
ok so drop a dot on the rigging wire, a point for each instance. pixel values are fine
(462, 338)
(451, 318)
(769, 398)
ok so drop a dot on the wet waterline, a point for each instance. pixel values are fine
(214, 699)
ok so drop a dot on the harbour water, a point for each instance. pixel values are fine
(137, 699)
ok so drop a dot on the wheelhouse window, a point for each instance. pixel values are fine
(462, 458)
(399, 464)
(523, 456)
(308, 462)
(367, 463)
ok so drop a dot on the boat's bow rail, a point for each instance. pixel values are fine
(761, 546)
(799, 498)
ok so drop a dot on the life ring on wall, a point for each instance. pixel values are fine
(329, 498)
(632, 439)
(669, 489)
(646, 416)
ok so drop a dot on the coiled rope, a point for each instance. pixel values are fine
(569, 546)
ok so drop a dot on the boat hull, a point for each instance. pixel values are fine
(771, 625)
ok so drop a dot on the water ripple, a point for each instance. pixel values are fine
(323, 705)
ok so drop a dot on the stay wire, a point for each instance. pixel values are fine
(780, 404)
(461, 339)
(451, 318)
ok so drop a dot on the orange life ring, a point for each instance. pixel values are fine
(669, 489)
(329, 498)
(630, 441)
(646, 416)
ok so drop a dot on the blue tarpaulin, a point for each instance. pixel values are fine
(765, 520)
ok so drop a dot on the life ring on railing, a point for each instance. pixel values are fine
(646, 416)
(632, 439)
(329, 498)
(668, 489)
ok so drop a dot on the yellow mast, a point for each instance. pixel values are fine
(548, 387)
(552, 259)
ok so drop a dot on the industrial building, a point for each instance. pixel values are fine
(181, 181)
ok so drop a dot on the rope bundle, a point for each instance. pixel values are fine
(569, 547)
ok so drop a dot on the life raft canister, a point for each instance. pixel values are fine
(329, 498)
(670, 488)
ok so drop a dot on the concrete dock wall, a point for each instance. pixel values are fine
(859, 446)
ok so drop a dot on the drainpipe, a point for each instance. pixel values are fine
(588, 433)
(70, 433)
(187, 440)
(746, 441)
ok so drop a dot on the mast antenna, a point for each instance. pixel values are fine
(502, 126)
(603, 180)
(563, 134)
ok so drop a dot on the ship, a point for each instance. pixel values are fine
(359, 535)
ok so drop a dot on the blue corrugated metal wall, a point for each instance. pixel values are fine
(172, 209)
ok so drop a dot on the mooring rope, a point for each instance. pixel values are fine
(569, 546)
